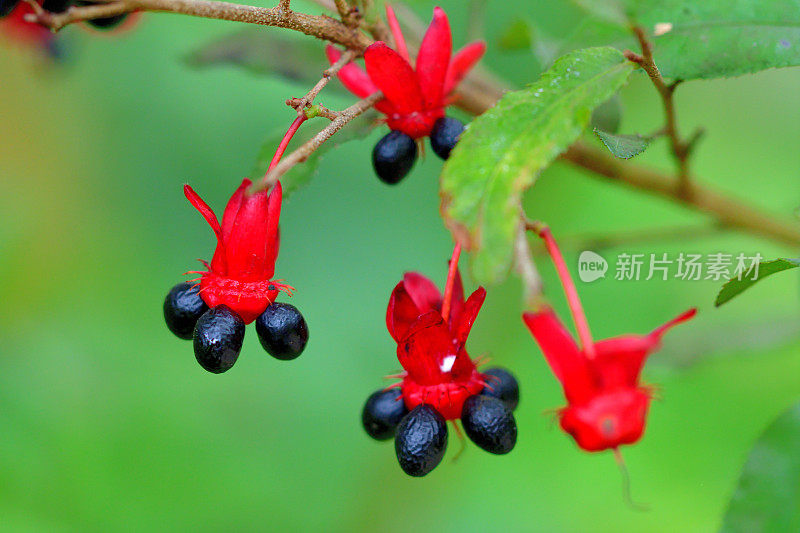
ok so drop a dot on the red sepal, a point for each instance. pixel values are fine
(433, 59)
(394, 77)
(462, 63)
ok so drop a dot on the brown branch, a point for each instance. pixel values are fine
(302, 153)
(319, 26)
(680, 148)
(728, 211)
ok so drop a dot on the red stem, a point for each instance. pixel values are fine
(394, 26)
(451, 280)
(573, 300)
(285, 141)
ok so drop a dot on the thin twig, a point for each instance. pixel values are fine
(300, 104)
(680, 148)
(302, 153)
(319, 26)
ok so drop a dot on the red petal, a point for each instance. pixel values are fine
(562, 354)
(471, 309)
(394, 77)
(620, 359)
(433, 59)
(247, 245)
(427, 349)
(217, 263)
(232, 208)
(425, 294)
(462, 63)
(683, 317)
(401, 312)
(397, 33)
(356, 80)
(273, 236)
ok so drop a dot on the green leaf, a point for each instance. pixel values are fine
(700, 40)
(734, 286)
(503, 151)
(285, 55)
(767, 497)
(300, 175)
(724, 37)
(623, 146)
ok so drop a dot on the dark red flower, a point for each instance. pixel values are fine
(414, 97)
(240, 272)
(606, 403)
(438, 369)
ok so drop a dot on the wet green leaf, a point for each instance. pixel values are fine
(503, 151)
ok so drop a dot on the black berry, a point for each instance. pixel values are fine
(105, 23)
(501, 384)
(56, 6)
(382, 413)
(282, 331)
(218, 338)
(445, 134)
(393, 156)
(7, 6)
(182, 308)
(421, 440)
(489, 424)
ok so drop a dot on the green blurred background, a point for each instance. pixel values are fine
(108, 423)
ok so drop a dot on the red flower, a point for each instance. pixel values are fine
(247, 246)
(606, 404)
(438, 369)
(414, 97)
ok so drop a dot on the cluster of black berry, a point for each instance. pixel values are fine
(396, 152)
(218, 332)
(421, 434)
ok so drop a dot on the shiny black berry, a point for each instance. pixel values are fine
(421, 440)
(489, 424)
(7, 6)
(445, 134)
(382, 413)
(218, 338)
(393, 156)
(56, 6)
(182, 308)
(501, 384)
(282, 331)
(105, 23)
